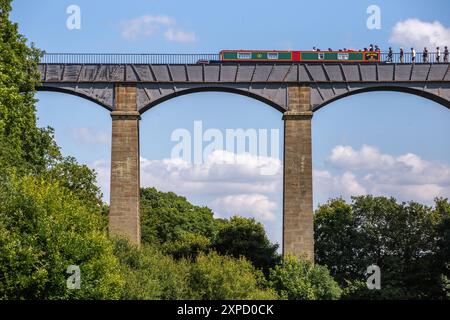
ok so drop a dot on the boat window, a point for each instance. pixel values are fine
(244, 55)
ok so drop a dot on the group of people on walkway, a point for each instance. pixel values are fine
(425, 55)
(437, 55)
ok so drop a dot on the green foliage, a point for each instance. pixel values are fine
(50, 208)
(188, 246)
(245, 237)
(78, 178)
(401, 238)
(166, 217)
(44, 228)
(442, 261)
(215, 277)
(299, 279)
(151, 275)
(184, 230)
(22, 144)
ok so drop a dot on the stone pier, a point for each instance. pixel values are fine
(298, 232)
(124, 202)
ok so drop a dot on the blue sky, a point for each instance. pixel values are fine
(384, 143)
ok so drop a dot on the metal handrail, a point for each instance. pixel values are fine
(431, 57)
(126, 58)
(183, 58)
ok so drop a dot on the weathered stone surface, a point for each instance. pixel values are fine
(334, 72)
(351, 73)
(328, 81)
(124, 217)
(317, 73)
(298, 231)
(368, 72)
(386, 72)
(402, 72)
(300, 73)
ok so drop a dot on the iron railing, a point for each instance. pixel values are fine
(161, 58)
(407, 58)
(127, 58)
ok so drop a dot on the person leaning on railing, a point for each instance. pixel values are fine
(402, 55)
(446, 54)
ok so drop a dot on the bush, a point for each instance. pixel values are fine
(299, 279)
(151, 275)
(44, 228)
(188, 246)
(215, 277)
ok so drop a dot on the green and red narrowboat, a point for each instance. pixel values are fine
(299, 56)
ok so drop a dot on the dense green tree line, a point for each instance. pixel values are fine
(408, 241)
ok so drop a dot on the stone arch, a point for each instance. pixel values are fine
(274, 96)
(102, 95)
(434, 93)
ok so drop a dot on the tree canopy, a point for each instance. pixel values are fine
(406, 240)
(50, 206)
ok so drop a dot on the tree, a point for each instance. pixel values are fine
(166, 217)
(299, 279)
(22, 144)
(44, 229)
(245, 237)
(401, 238)
(78, 178)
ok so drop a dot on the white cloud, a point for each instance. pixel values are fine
(178, 35)
(366, 158)
(90, 136)
(327, 185)
(222, 172)
(255, 205)
(368, 171)
(145, 25)
(149, 25)
(417, 33)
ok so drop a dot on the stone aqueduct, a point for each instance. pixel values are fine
(296, 90)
